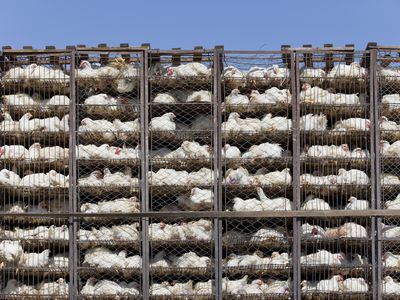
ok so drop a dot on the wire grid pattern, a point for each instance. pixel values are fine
(387, 79)
(259, 255)
(181, 173)
(335, 166)
(34, 154)
(256, 159)
(108, 172)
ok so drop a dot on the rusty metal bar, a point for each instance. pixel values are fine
(73, 226)
(296, 251)
(217, 114)
(377, 165)
(144, 116)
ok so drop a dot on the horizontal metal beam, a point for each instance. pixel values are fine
(222, 214)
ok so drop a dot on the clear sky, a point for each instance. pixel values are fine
(239, 25)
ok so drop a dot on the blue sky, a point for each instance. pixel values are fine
(239, 25)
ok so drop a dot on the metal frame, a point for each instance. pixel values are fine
(218, 215)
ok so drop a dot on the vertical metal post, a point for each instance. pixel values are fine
(375, 138)
(72, 191)
(296, 251)
(144, 136)
(373, 118)
(218, 52)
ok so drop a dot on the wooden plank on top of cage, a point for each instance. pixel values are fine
(286, 55)
(328, 58)
(176, 58)
(349, 56)
(308, 57)
(197, 57)
(365, 61)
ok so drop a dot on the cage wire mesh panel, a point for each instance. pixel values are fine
(34, 177)
(256, 166)
(335, 166)
(108, 171)
(181, 174)
(388, 81)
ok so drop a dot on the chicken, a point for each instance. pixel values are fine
(104, 127)
(279, 203)
(235, 98)
(190, 150)
(247, 205)
(390, 287)
(198, 199)
(102, 104)
(263, 178)
(179, 288)
(276, 72)
(168, 177)
(35, 72)
(163, 289)
(269, 123)
(263, 151)
(390, 231)
(123, 130)
(254, 259)
(270, 96)
(52, 124)
(57, 100)
(87, 71)
(21, 100)
(235, 124)
(386, 125)
(232, 72)
(8, 124)
(323, 257)
(119, 178)
(50, 179)
(391, 260)
(392, 101)
(199, 97)
(204, 288)
(394, 204)
(312, 203)
(348, 230)
(389, 179)
(16, 152)
(355, 204)
(312, 231)
(160, 231)
(233, 286)
(104, 258)
(230, 152)
(9, 178)
(316, 95)
(313, 122)
(201, 178)
(190, 260)
(354, 70)
(93, 179)
(357, 285)
(333, 284)
(327, 151)
(266, 234)
(121, 205)
(238, 176)
(14, 287)
(390, 150)
(312, 73)
(59, 261)
(189, 70)
(352, 124)
(163, 123)
(164, 98)
(10, 252)
(57, 288)
(352, 176)
(35, 260)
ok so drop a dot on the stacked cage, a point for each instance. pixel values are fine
(34, 177)
(256, 159)
(181, 176)
(388, 136)
(108, 172)
(335, 173)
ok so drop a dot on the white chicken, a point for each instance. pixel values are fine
(263, 151)
(35, 260)
(352, 124)
(357, 285)
(198, 199)
(313, 203)
(10, 251)
(263, 178)
(393, 204)
(164, 98)
(333, 284)
(354, 70)
(121, 205)
(16, 152)
(163, 123)
(323, 257)
(238, 176)
(232, 72)
(270, 96)
(86, 71)
(104, 127)
(392, 101)
(312, 73)
(168, 177)
(355, 204)
(313, 122)
(236, 124)
(230, 152)
(235, 98)
(316, 95)
(390, 287)
(279, 203)
(270, 123)
(388, 149)
(199, 97)
(189, 70)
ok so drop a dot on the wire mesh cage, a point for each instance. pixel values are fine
(108, 170)
(181, 113)
(256, 131)
(34, 158)
(336, 171)
(387, 89)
